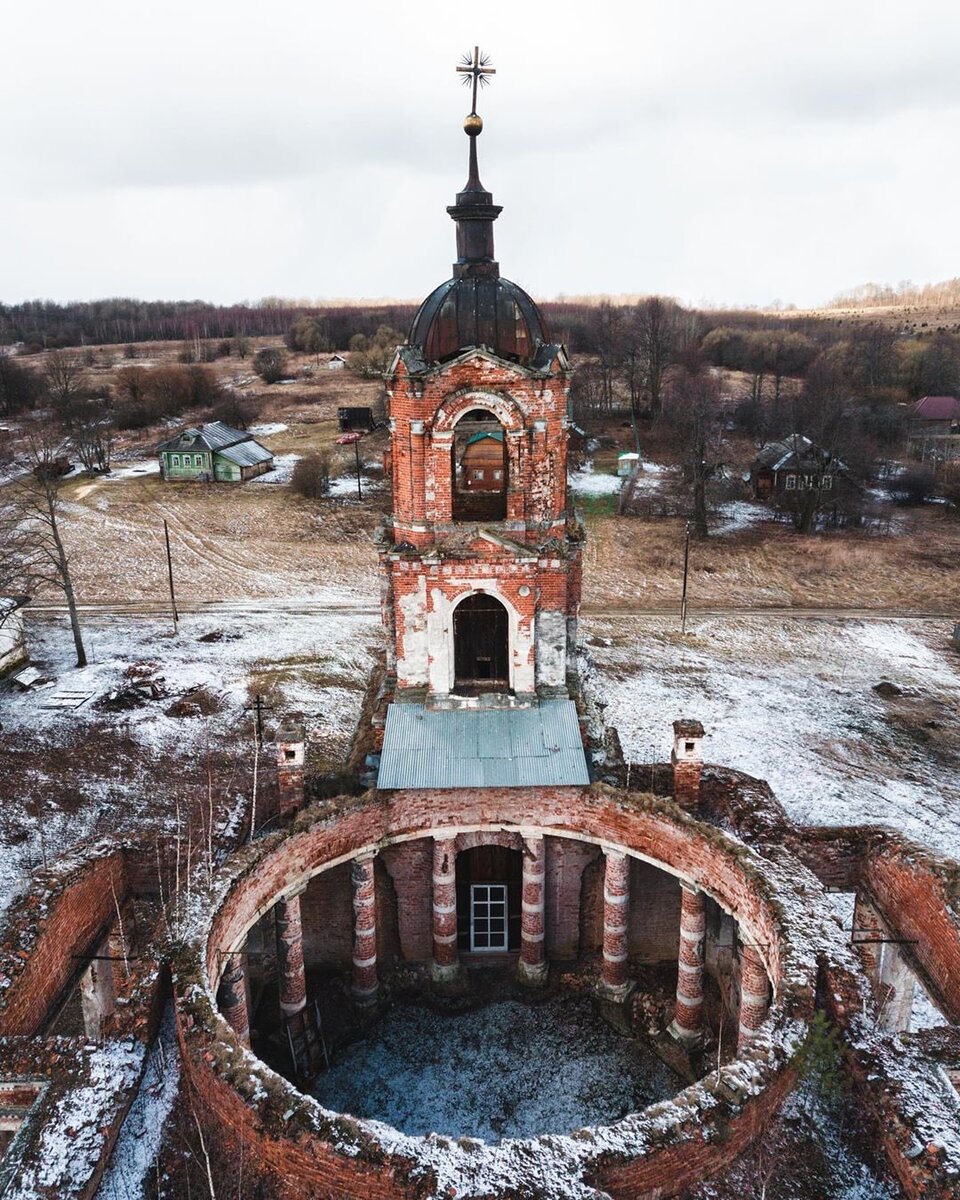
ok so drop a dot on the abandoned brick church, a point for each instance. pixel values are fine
(500, 840)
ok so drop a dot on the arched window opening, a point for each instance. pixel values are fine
(479, 468)
(489, 887)
(480, 646)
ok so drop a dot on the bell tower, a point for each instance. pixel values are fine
(481, 558)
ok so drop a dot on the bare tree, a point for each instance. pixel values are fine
(32, 552)
(692, 408)
(89, 427)
(65, 376)
(654, 329)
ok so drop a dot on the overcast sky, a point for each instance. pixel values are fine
(720, 153)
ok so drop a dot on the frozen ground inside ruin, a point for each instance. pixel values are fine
(507, 1070)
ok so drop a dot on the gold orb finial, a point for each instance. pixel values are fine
(472, 125)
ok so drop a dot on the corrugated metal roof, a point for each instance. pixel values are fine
(246, 454)
(473, 748)
(214, 436)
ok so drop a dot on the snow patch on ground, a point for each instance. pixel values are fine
(268, 429)
(346, 486)
(791, 701)
(588, 482)
(740, 514)
(282, 471)
(139, 1141)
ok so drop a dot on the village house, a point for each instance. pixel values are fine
(336, 362)
(214, 453)
(934, 428)
(795, 464)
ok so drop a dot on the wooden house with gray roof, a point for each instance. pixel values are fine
(214, 453)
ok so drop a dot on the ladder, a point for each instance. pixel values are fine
(307, 1045)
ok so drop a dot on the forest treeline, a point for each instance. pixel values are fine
(881, 295)
(46, 325)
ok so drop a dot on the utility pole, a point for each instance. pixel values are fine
(686, 566)
(173, 598)
(347, 439)
(259, 708)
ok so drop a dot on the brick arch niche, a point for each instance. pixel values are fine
(408, 834)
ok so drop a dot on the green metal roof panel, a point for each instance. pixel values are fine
(463, 748)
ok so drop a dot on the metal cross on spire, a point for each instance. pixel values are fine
(475, 71)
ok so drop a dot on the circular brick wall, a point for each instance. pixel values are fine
(310, 1152)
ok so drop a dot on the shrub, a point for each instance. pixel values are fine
(311, 475)
(269, 364)
(237, 411)
(915, 486)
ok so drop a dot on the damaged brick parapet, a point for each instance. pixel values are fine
(902, 1093)
(668, 1146)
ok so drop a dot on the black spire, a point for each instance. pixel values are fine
(475, 211)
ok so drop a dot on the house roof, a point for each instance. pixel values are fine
(214, 436)
(453, 748)
(246, 454)
(796, 452)
(936, 408)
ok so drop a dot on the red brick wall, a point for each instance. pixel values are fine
(654, 934)
(56, 921)
(563, 881)
(326, 909)
(410, 865)
(912, 898)
(304, 1163)
(595, 812)
(421, 464)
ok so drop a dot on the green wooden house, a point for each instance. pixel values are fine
(214, 453)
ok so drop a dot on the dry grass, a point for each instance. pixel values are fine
(634, 564)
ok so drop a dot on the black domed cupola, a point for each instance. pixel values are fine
(476, 307)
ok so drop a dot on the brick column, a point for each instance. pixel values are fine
(364, 930)
(614, 983)
(687, 1024)
(291, 745)
(233, 998)
(687, 764)
(754, 993)
(446, 961)
(533, 963)
(868, 933)
(290, 968)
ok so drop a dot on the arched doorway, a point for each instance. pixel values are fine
(479, 468)
(480, 645)
(489, 887)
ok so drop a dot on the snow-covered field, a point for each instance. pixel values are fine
(791, 700)
(505, 1070)
(316, 663)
